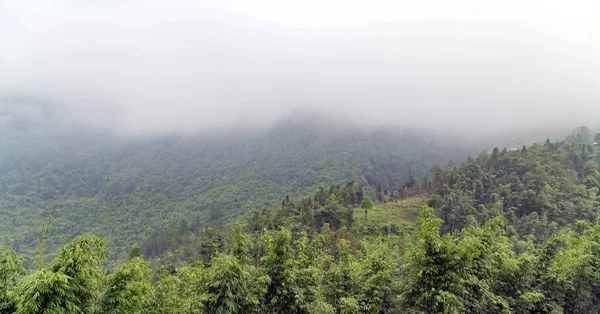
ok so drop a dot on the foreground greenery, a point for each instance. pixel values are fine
(473, 270)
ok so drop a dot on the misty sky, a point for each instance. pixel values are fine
(146, 65)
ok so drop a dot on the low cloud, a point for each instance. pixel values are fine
(158, 66)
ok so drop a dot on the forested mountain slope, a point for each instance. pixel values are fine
(126, 189)
(538, 189)
(320, 254)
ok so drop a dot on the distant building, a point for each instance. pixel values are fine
(514, 149)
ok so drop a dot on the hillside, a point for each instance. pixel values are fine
(509, 232)
(515, 234)
(537, 189)
(126, 189)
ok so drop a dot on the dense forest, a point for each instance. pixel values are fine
(128, 188)
(504, 232)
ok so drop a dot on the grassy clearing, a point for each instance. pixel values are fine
(401, 213)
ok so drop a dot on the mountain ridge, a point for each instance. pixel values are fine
(128, 187)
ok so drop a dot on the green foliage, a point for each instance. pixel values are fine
(366, 204)
(134, 252)
(10, 269)
(459, 272)
(536, 190)
(278, 265)
(43, 292)
(476, 269)
(167, 292)
(380, 287)
(580, 134)
(128, 288)
(573, 272)
(68, 285)
(241, 244)
(432, 272)
(228, 287)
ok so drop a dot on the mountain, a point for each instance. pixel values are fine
(127, 188)
(511, 232)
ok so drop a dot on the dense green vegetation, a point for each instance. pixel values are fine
(129, 190)
(509, 232)
(537, 189)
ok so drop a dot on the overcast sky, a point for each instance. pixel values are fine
(183, 65)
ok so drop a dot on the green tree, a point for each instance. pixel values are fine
(167, 292)
(194, 281)
(344, 280)
(134, 252)
(580, 134)
(432, 276)
(279, 265)
(349, 193)
(228, 287)
(411, 185)
(378, 192)
(241, 244)
(10, 268)
(426, 184)
(572, 277)
(68, 285)
(309, 263)
(333, 213)
(483, 253)
(380, 285)
(128, 288)
(366, 204)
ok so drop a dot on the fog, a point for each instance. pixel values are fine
(163, 66)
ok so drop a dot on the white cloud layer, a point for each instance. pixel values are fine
(190, 65)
